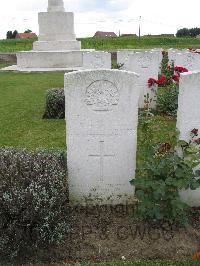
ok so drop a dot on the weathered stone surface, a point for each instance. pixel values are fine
(188, 118)
(189, 60)
(101, 119)
(55, 6)
(97, 60)
(147, 65)
(49, 59)
(123, 55)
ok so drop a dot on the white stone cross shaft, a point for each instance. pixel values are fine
(55, 6)
(101, 156)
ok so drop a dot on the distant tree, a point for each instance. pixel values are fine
(9, 35)
(183, 33)
(194, 32)
(28, 31)
(14, 34)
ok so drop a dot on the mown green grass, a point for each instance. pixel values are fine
(110, 43)
(22, 102)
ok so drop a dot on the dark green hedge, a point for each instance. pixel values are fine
(55, 104)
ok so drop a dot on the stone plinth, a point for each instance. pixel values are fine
(56, 32)
(101, 124)
(51, 59)
(56, 45)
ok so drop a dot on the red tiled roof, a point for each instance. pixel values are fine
(105, 34)
(30, 35)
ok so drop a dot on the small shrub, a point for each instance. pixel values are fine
(55, 104)
(32, 202)
(165, 172)
(167, 100)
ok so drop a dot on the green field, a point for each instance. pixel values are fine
(22, 103)
(110, 43)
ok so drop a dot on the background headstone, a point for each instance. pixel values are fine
(147, 65)
(97, 60)
(189, 60)
(101, 122)
(123, 55)
(188, 117)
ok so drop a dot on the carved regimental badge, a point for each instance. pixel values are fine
(102, 95)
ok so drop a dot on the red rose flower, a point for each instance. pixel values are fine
(197, 141)
(168, 67)
(162, 80)
(151, 82)
(195, 131)
(180, 69)
(164, 147)
(176, 78)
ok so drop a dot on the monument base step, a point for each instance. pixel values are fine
(16, 68)
(50, 59)
(56, 45)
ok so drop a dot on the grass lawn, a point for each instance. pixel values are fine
(110, 43)
(22, 102)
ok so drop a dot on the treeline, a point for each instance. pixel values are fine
(193, 32)
(11, 35)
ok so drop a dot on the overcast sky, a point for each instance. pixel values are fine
(158, 16)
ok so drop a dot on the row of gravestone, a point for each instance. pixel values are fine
(144, 62)
(185, 58)
(102, 118)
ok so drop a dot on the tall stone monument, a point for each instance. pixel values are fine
(56, 29)
(57, 47)
(101, 123)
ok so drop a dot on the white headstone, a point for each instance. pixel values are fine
(97, 60)
(188, 118)
(147, 65)
(172, 54)
(101, 122)
(123, 55)
(189, 60)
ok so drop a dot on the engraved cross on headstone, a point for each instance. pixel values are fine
(102, 156)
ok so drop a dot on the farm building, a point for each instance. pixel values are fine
(29, 35)
(105, 34)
